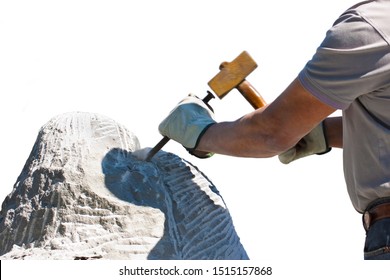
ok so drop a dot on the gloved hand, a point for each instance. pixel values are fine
(187, 123)
(313, 143)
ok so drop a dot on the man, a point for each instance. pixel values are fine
(350, 71)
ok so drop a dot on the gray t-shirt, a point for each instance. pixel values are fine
(351, 71)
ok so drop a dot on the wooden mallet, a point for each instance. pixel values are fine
(233, 75)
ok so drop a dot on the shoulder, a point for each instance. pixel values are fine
(364, 24)
(357, 38)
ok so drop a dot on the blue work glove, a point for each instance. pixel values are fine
(187, 123)
(314, 143)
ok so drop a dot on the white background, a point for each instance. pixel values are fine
(134, 60)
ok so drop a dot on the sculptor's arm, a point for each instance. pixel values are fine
(272, 130)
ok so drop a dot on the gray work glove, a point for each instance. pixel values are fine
(187, 123)
(313, 143)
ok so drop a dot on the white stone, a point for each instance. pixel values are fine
(82, 195)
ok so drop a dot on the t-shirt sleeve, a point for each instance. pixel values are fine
(348, 63)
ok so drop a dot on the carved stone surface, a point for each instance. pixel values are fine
(82, 195)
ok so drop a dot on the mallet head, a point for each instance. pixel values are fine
(232, 74)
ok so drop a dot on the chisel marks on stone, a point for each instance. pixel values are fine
(202, 220)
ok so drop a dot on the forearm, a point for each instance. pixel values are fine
(245, 137)
(226, 138)
(334, 131)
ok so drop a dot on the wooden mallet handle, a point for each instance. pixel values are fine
(251, 95)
